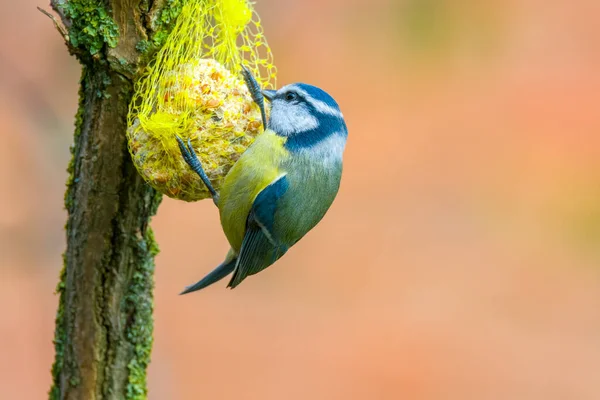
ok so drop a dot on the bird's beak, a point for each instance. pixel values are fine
(269, 94)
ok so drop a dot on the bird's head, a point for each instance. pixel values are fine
(305, 115)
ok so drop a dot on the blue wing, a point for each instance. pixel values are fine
(260, 247)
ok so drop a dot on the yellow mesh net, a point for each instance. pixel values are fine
(194, 89)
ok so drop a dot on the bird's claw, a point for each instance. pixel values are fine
(191, 159)
(253, 86)
(255, 92)
(188, 152)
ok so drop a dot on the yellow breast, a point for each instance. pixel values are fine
(258, 166)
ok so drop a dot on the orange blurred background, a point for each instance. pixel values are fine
(461, 259)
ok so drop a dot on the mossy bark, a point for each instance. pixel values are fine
(104, 322)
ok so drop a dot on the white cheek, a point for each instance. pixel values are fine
(287, 119)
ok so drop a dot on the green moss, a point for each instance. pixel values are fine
(140, 303)
(91, 24)
(162, 25)
(78, 125)
(59, 334)
(171, 11)
(60, 331)
(165, 21)
(143, 46)
(139, 332)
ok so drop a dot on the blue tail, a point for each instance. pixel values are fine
(214, 276)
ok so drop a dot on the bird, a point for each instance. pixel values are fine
(282, 185)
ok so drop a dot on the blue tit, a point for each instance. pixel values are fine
(282, 185)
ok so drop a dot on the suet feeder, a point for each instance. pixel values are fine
(194, 90)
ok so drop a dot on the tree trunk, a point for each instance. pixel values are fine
(103, 335)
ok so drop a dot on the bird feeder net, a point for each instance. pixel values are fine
(194, 90)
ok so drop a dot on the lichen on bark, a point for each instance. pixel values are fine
(91, 26)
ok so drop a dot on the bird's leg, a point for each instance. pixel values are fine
(190, 157)
(255, 92)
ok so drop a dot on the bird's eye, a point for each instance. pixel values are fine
(291, 96)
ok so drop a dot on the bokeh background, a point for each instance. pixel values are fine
(461, 259)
